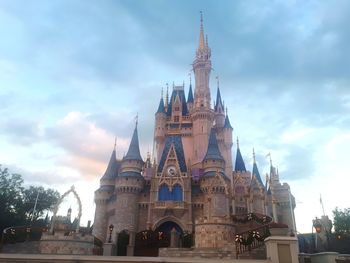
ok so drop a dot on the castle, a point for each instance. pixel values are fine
(192, 185)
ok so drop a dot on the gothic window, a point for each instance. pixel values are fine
(176, 118)
(177, 192)
(166, 195)
(177, 108)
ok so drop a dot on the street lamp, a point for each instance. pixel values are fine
(110, 233)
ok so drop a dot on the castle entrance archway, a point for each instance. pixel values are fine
(148, 242)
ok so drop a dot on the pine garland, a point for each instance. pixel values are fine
(250, 217)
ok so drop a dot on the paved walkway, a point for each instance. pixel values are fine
(40, 258)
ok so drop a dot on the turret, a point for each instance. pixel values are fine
(176, 109)
(219, 109)
(202, 114)
(102, 195)
(129, 184)
(213, 160)
(202, 68)
(214, 182)
(160, 127)
(239, 163)
(257, 191)
(190, 98)
(132, 161)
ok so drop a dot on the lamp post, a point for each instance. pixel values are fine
(110, 233)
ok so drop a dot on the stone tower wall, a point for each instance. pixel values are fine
(101, 216)
(127, 210)
(218, 234)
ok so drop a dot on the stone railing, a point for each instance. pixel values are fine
(169, 205)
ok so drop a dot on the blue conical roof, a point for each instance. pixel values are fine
(161, 108)
(134, 149)
(239, 165)
(181, 94)
(112, 168)
(213, 152)
(257, 174)
(218, 100)
(227, 123)
(190, 95)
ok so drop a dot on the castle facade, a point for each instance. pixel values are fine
(193, 185)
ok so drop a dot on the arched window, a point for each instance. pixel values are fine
(164, 193)
(177, 193)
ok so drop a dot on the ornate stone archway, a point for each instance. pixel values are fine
(169, 218)
(71, 190)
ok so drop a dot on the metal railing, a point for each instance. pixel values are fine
(251, 239)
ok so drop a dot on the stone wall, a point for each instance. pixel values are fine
(218, 233)
(75, 244)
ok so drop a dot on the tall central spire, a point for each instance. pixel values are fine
(202, 68)
(201, 35)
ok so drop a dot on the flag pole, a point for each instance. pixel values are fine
(36, 201)
(321, 202)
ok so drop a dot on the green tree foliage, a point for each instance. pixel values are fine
(342, 221)
(17, 202)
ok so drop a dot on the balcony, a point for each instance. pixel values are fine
(169, 205)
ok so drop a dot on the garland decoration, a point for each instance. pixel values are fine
(242, 219)
(252, 235)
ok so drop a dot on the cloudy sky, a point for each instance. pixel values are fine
(73, 74)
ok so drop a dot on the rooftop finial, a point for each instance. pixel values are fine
(161, 94)
(190, 75)
(136, 119)
(237, 143)
(226, 111)
(201, 36)
(115, 142)
(269, 155)
(254, 156)
(167, 95)
(217, 81)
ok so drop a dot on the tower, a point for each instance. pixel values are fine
(128, 185)
(102, 197)
(160, 127)
(257, 191)
(202, 114)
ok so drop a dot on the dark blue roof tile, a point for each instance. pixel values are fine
(227, 123)
(218, 100)
(134, 149)
(112, 168)
(106, 188)
(190, 95)
(213, 152)
(177, 142)
(181, 94)
(130, 174)
(239, 164)
(161, 108)
(257, 174)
